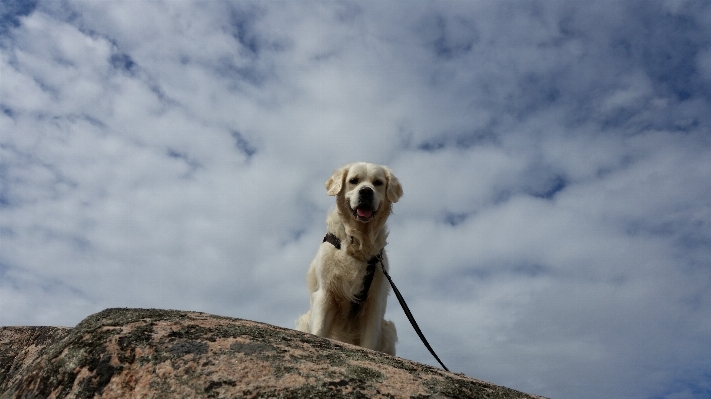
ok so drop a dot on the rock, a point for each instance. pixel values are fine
(140, 353)
(21, 347)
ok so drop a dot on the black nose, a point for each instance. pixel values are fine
(365, 193)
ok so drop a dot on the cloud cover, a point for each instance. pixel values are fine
(555, 233)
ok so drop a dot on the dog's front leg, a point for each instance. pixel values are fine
(372, 320)
(370, 334)
(321, 314)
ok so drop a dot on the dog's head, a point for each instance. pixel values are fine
(365, 189)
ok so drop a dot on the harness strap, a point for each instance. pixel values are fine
(368, 280)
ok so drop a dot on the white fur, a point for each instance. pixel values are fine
(336, 276)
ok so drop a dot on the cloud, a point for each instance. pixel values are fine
(554, 233)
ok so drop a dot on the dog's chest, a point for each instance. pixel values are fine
(356, 274)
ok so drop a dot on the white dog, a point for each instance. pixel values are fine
(347, 287)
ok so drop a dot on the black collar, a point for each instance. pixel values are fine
(331, 238)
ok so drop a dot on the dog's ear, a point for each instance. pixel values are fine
(334, 184)
(394, 190)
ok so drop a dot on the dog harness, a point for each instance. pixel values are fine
(361, 296)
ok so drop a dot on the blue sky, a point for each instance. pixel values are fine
(555, 232)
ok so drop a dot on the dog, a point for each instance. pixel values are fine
(348, 292)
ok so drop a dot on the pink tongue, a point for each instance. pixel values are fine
(364, 213)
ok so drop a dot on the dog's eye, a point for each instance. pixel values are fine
(353, 180)
(378, 183)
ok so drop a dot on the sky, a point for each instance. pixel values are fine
(555, 230)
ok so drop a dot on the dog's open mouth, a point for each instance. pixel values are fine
(363, 213)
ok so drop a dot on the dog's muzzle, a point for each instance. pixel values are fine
(365, 210)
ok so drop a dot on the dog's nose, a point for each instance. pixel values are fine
(365, 193)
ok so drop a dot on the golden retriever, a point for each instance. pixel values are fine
(345, 305)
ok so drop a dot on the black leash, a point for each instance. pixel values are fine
(361, 296)
(411, 317)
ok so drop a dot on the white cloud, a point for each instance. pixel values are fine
(554, 232)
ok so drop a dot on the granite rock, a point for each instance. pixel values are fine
(144, 353)
(21, 347)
